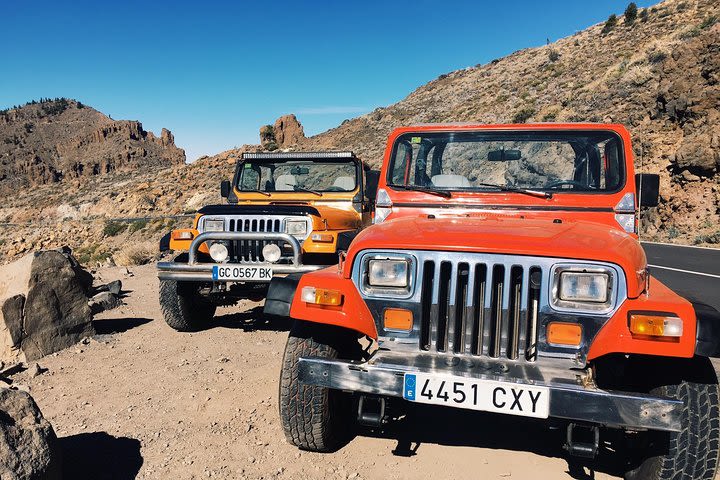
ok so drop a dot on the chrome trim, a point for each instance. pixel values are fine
(241, 219)
(541, 310)
(583, 307)
(202, 272)
(387, 292)
(569, 399)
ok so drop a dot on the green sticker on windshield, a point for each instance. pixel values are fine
(415, 139)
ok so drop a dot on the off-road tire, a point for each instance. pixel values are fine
(692, 453)
(314, 418)
(183, 308)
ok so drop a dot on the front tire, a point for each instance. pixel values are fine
(314, 418)
(692, 453)
(183, 308)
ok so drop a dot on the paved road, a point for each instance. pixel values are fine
(691, 271)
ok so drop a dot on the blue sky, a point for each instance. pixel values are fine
(213, 72)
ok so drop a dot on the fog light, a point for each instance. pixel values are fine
(655, 325)
(398, 319)
(271, 253)
(218, 252)
(321, 296)
(568, 334)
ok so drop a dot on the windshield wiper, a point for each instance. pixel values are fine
(510, 188)
(256, 191)
(303, 189)
(431, 191)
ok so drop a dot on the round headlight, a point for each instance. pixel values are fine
(271, 253)
(219, 252)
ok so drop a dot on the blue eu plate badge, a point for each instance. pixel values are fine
(215, 272)
(409, 387)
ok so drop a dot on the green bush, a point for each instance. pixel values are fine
(631, 13)
(553, 55)
(114, 228)
(522, 116)
(708, 22)
(137, 225)
(644, 15)
(610, 23)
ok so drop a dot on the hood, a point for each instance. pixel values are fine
(510, 235)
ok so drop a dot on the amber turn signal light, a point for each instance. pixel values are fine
(559, 333)
(182, 235)
(322, 238)
(321, 296)
(655, 325)
(398, 319)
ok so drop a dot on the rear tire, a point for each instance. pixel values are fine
(692, 453)
(314, 418)
(184, 309)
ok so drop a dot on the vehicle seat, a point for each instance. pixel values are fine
(450, 181)
(284, 183)
(346, 183)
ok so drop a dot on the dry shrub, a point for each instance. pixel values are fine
(638, 75)
(135, 254)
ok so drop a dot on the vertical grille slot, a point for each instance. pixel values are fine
(459, 311)
(443, 306)
(496, 310)
(426, 303)
(478, 308)
(515, 311)
(533, 307)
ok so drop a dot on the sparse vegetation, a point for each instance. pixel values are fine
(708, 22)
(631, 13)
(644, 15)
(657, 57)
(549, 117)
(113, 228)
(137, 225)
(553, 55)
(135, 254)
(610, 23)
(713, 238)
(523, 115)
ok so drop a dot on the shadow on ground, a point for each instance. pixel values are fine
(424, 424)
(118, 325)
(100, 456)
(252, 320)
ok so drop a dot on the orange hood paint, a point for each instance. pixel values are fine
(513, 236)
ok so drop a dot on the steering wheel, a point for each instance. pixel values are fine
(574, 183)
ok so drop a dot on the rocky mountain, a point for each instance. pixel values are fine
(55, 140)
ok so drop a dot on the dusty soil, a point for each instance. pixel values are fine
(140, 400)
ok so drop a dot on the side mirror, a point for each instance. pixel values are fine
(225, 188)
(648, 189)
(372, 177)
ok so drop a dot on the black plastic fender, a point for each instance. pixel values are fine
(707, 336)
(280, 295)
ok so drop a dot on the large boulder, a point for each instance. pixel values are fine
(43, 305)
(28, 445)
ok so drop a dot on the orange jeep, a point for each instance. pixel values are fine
(504, 274)
(286, 213)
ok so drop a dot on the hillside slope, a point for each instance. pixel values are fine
(55, 140)
(660, 76)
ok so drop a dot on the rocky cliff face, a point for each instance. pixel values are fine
(61, 139)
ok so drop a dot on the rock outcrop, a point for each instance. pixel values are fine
(288, 131)
(61, 139)
(29, 449)
(44, 305)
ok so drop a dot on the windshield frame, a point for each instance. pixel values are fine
(237, 178)
(622, 158)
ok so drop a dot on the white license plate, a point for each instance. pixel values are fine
(243, 273)
(485, 395)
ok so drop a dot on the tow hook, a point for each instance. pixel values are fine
(371, 411)
(582, 440)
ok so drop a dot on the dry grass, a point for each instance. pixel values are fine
(135, 254)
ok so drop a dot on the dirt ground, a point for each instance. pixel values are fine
(140, 400)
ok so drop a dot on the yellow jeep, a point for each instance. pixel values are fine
(286, 213)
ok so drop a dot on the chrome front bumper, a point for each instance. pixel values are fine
(569, 399)
(192, 271)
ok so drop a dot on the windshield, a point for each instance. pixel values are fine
(550, 161)
(297, 175)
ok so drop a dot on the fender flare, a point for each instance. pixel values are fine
(280, 295)
(707, 336)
